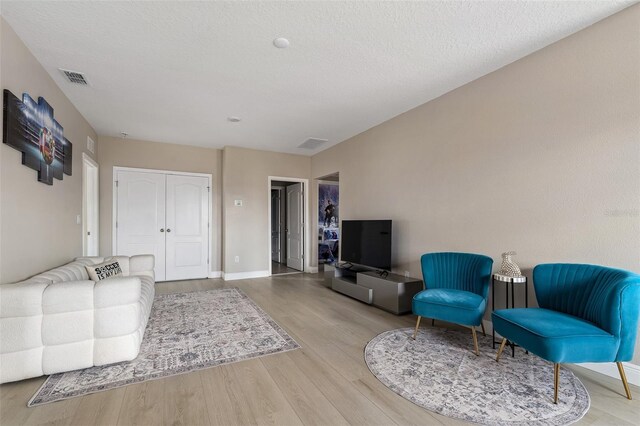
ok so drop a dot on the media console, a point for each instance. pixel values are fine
(391, 292)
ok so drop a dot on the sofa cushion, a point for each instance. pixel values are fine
(73, 271)
(68, 297)
(555, 336)
(22, 299)
(458, 306)
(117, 291)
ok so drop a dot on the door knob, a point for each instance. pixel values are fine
(168, 230)
(161, 229)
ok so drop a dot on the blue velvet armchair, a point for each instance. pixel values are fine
(456, 289)
(586, 313)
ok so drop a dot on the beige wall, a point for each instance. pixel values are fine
(246, 228)
(38, 224)
(160, 156)
(541, 157)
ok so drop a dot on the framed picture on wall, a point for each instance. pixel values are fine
(30, 128)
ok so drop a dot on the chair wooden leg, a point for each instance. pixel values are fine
(415, 332)
(624, 379)
(483, 332)
(475, 340)
(556, 382)
(433, 322)
(504, 342)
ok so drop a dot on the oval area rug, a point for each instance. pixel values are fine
(439, 371)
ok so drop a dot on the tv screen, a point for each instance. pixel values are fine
(367, 242)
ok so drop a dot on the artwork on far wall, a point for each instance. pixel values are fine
(328, 200)
(30, 128)
(328, 222)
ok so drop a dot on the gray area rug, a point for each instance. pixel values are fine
(438, 371)
(186, 332)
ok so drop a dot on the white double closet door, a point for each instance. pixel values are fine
(166, 215)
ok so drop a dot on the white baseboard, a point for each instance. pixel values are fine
(244, 275)
(312, 269)
(215, 274)
(632, 371)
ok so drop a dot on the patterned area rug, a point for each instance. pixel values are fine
(186, 332)
(438, 371)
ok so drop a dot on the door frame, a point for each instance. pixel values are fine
(306, 246)
(114, 203)
(90, 163)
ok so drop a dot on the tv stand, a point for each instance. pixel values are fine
(388, 291)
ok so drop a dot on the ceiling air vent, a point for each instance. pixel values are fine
(74, 77)
(312, 143)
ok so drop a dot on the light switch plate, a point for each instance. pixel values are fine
(237, 203)
(78, 219)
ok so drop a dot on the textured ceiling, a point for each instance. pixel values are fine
(174, 71)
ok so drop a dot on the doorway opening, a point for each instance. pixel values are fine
(90, 220)
(288, 207)
(328, 220)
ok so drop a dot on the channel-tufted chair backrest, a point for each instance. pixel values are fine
(607, 297)
(459, 271)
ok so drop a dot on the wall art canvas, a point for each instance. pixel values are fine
(30, 128)
(328, 201)
(328, 222)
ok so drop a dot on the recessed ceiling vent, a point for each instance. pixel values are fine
(312, 143)
(74, 77)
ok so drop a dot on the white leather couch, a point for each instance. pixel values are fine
(61, 321)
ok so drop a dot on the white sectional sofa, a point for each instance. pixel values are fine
(61, 321)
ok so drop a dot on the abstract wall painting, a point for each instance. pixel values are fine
(30, 128)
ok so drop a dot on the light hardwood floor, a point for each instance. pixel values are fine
(324, 383)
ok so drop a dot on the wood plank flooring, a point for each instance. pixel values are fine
(324, 383)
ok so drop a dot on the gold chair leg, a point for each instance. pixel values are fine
(483, 332)
(416, 330)
(556, 382)
(624, 379)
(504, 342)
(475, 340)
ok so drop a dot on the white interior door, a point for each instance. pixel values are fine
(140, 220)
(90, 222)
(295, 224)
(187, 232)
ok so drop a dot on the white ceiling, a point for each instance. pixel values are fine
(174, 71)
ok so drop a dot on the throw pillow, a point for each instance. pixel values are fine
(104, 270)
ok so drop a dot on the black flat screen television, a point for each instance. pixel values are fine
(366, 242)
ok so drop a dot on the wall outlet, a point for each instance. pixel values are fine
(237, 259)
(237, 203)
(407, 274)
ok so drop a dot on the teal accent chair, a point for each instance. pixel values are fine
(586, 313)
(456, 289)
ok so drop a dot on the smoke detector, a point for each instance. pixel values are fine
(74, 77)
(281, 43)
(312, 143)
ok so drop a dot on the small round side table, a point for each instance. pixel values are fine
(508, 280)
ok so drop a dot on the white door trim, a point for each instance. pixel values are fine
(114, 204)
(88, 162)
(307, 216)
